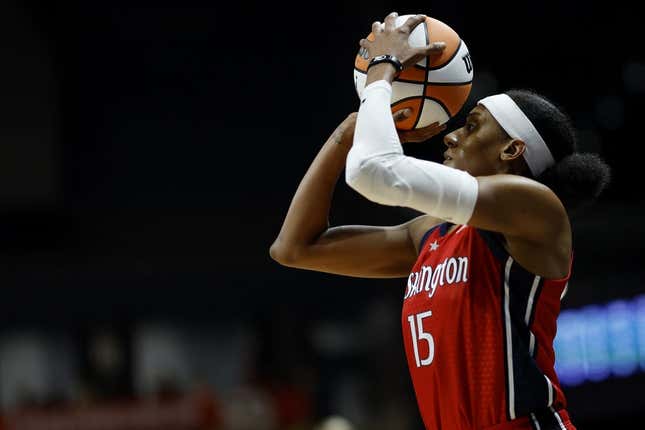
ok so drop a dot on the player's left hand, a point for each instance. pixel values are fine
(392, 40)
(419, 134)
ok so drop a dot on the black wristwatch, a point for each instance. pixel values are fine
(387, 59)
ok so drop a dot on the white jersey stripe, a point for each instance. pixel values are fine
(550, 390)
(529, 306)
(557, 417)
(535, 421)
(509, 341)
(529, 310)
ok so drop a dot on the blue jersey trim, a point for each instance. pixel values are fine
(444, 228)
(425, 236)
(494, 241)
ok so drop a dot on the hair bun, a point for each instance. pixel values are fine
(580, 178)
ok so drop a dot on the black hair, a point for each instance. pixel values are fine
(576, 178)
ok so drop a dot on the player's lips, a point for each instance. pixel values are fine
(446, 157)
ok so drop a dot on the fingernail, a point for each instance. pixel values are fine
(439, 44)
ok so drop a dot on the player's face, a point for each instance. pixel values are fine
(476, 147)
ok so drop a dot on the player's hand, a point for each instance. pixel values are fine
(419, 134)
(344, 133)
(392, 40)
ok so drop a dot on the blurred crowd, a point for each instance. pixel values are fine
(281, 371)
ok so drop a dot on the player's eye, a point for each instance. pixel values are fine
(470, 126)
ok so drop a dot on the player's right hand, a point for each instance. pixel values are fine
(392, 40)
(419, 134)
(344, 133)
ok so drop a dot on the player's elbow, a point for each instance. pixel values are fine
(278, 252)
(355, 181)
(359, 172)
(376, 179)
(283, 254)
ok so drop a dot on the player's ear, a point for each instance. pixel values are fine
(512, 149)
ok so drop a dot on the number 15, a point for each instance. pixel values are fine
(421, 336)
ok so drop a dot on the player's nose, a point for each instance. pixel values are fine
(450, 140)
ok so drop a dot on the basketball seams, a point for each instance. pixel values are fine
(445, 64)
(407, 81)
(425, 81)
(452, 97)
(439, 103)
(412, 102)
(430, 83)
(449, 84)
(452, 57)
(405, 99)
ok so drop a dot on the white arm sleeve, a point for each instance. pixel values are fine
(377, 168)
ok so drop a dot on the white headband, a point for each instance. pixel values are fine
(511, 118)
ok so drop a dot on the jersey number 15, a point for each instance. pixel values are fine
(418, 335)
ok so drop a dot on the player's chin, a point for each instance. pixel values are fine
(455, 164)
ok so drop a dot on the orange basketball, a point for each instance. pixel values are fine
(436, 87)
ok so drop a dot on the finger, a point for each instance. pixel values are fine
(424, 133)
(411, 23)
(390, 21)
(376, 27)
(402, 114)
(431, 129)
(364, 51)
(433, 48)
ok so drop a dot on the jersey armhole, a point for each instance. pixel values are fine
(426, 235)
(494, 242)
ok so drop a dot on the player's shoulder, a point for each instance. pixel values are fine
(525, 192)
(511, 182)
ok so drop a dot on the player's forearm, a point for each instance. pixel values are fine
(378, 169)
(308, 214)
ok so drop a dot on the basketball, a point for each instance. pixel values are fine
(435, 88)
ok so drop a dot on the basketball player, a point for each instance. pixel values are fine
(488, 261)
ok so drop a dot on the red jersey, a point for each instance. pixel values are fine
(478, 330)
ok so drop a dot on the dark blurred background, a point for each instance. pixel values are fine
(148, 154)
